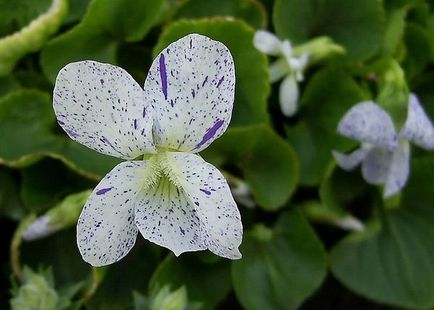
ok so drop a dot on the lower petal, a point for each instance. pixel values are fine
(106, 231)
(376, 165)
(206, 187)
(399, 170)
(288, 96)
(165, 216)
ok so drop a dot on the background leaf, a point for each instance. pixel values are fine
(281, 267)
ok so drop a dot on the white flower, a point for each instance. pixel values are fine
(384, 153)
(289, 66)
(172, 196)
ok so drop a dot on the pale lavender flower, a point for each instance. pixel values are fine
(384, 153)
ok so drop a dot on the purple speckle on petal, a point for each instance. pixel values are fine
(193, 93)
(182, 230)
(210, 133)
(196, 203)
(135, 123)
(60, 122)
(207, 192)
(163, 76)
(204, 81)
(144, 112)
(220, 81)
(104, 190)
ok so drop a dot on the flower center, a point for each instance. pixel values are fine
(160, 169)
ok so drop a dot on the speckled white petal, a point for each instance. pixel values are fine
(106, 231)
(376, 165)
(368, 122)
(418, 128)
(267, 43)
(190, 85)
(206, 187)
(102, 107)
(288, 96)
(165, 216)
(350, 161)
(399, 170)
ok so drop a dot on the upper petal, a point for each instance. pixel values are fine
(418, 128)
(267, 43)
(399, 170)
(376, 165)
(106, 231)
(206, 187)
(190, 85)
(165, 216)
(368, 122)
(102, 107)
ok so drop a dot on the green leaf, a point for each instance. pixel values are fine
(106, 24)
(10, 203)
(17, 14)
(394, 30)
(356, 25)
(280, 267)
(130, 274)
(340, 189)
(327, 97)
(188, 270)
(268, 163)
(394, 265)
(418, 50)
(31, 38)
(60, 252)
(252, 78)
(39, 192)
(29, 136)
(251, 11)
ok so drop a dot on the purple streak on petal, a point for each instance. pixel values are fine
(191, 43)
(196, 203)
(60, 122)
(144, 112)
(207, 192)
(210, 133)
(135, 123)
(163, 76)
(220, 81)
(193, 93)
(105, 141)
(182, 230)
(172, 103)
(71, 133)
(204, 81)
(104, 190)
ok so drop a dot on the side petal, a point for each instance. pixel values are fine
(368, 122)
(278, 70)
(190, 85)
(102, 107)
(350, 161)
(376, 165)
(288, 96)
(106, 231)
(399, 170)
(206, 187)
(165, 216)
(418, 128)
(267, 43)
